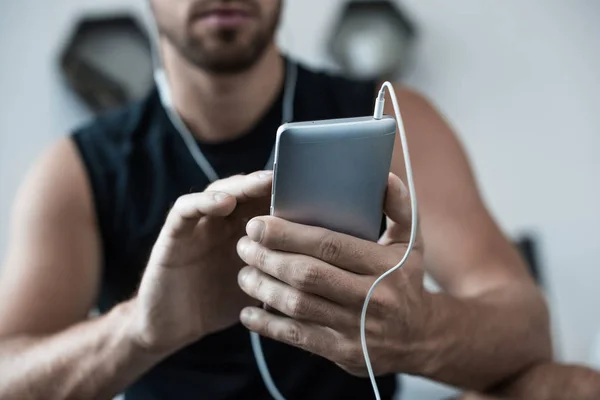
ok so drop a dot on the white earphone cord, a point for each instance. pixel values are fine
(413, 221)
(287, 112)
(256, 345)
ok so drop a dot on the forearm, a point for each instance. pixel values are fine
(476, 343)
(93, 360)
(553, 382)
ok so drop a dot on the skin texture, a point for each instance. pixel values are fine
(547, 382)
(216, 49)
(192, 265)
(553, 382)
(489, 324)
(329, 293)
(193, 50)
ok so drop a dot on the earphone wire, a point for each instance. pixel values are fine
(161, 80)
(194, 150)
(288, 116)
(413, 225)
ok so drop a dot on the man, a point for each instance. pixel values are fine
(89, 228)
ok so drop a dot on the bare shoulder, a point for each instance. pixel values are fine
(413, 98)
(59, 178)
(53, 243)
(420, 111)
(434, 146)
(465, 246)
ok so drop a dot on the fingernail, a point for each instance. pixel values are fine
(242, 277)
(219, 196)
(246, 315)
(265, 175)
(256, 230)
(242, 247)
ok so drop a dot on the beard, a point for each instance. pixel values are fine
(224, 51)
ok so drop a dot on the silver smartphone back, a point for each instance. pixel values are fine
(333, 173)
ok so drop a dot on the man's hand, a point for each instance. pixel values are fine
(319, 279)
(189, 288)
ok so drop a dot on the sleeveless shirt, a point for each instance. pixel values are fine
(138, 165)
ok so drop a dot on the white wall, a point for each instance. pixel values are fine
(520, 81)
(35, 108)
(515, 78)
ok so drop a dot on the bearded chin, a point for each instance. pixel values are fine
(229, 56)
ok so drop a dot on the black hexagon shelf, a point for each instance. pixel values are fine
(358, 20)
(107, 61)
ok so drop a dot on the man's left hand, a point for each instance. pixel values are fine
(318, 280)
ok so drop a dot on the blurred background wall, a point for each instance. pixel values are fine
(519, 80)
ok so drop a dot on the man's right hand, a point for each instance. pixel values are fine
(189, 288)
(53, 271)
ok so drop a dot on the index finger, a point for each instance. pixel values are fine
(344, 251)
(245, 187)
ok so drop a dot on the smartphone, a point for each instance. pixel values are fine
(333, 173)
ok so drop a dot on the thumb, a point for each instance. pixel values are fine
(398, 211)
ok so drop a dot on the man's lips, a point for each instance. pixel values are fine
(227, 17)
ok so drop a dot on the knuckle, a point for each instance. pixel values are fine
(279, 269)
(265, 292)
(260, 257)
(296, 305)
(267, 327)
(305, 276)
(376, 329)
(380, 303)
(176, 217)
(293, 334)
(257, 283)
(271, 298)
(330, 248)
(180, 206)
(222, 183)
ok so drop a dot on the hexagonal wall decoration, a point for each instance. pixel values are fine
(107, 61)
(373, 39)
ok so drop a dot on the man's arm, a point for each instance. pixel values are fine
(95, 359)
(553, 382)
(490, 321)
(48, 286)
(547, 382)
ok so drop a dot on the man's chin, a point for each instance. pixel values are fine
(230, 65)
(231, 58)
(226, 55)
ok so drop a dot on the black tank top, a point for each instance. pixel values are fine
(138, 165)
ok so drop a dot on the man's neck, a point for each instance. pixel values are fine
(222, 107)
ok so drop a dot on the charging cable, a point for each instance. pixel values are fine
(255, 338)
